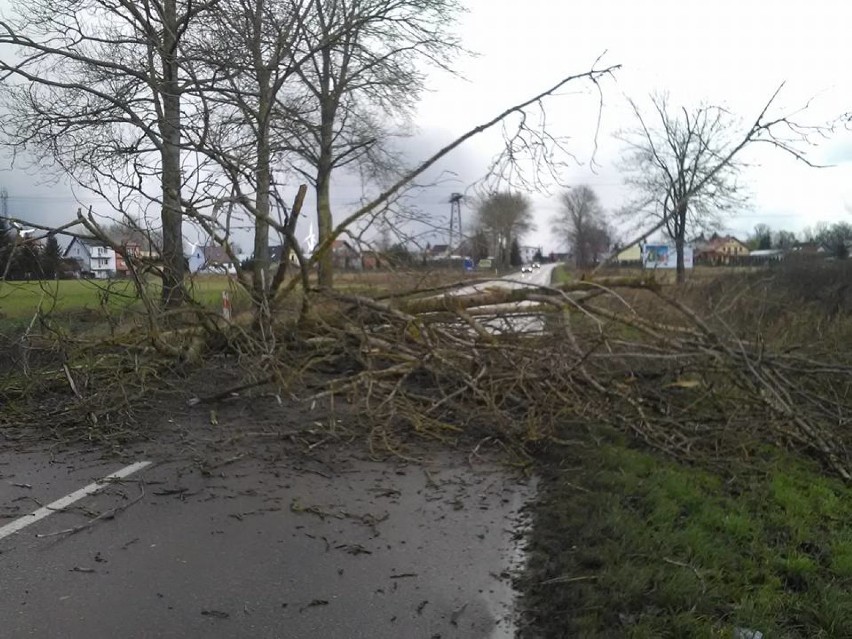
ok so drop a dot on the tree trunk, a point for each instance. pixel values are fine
(325, 225)
(260, 268)
(681, 269)
(260, 265)
(173, 262)
(680, 242)
(325, 166)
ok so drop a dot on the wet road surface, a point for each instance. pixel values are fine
(338, 547)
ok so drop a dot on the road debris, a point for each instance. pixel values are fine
(216, 614)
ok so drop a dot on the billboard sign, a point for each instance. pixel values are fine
(665, 256)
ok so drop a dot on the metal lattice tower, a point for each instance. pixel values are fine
(455, 216)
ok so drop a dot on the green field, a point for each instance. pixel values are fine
(21, 300)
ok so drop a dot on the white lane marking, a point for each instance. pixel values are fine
(64, 502)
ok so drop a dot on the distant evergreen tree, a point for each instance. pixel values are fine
(515, 254)
(51, 258)
(5, 245)
(479, 246)
(26, 261)
(398, 255)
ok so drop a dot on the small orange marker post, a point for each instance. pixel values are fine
(226, 306)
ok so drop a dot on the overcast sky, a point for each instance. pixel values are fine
(731, 52)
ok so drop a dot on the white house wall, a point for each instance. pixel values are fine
(99, 260)
(102, 261)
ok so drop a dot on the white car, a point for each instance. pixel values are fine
(526, 268)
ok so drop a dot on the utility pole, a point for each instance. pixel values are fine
(455, 214)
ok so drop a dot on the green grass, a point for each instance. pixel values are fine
(21, 300)
(627, 544)
(560, 275)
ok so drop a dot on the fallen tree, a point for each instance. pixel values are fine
(527, 367)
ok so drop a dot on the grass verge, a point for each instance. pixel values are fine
(626, 543)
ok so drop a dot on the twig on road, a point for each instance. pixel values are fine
(107, 514)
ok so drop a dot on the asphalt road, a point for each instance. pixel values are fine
(333, 546)
(258, 539)
(538, 277)
(509, 318)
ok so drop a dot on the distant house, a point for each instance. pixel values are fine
(720, 250)
(133, 252)
(371, 260)
(151, 255)
(276, 251)
(808, 249)
(345, 256)
(765, 256)
(528, 253)
(95, 258)
(438, 252)
(630, 255)
(209, 259)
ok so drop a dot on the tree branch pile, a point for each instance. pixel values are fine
(530, 366)
(527, 366)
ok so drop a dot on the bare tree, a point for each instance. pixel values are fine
(252, 48)
(761, 237)
(684, 164)
(129, 231)
(837, 239)
(365, 72)
(504, 216)
(784, 239)
(95, 91)
(581, 224)
(675, 164)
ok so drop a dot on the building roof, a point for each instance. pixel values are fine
(439, 249)
(215, 254)
(212, 254)
(92, 241)
(89, 242)
(704, 245)
(343, 246)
